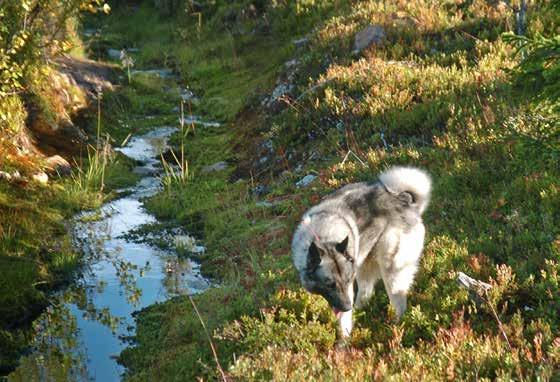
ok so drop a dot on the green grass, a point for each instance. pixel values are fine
(35, 256)
(439, 93)
(224, 70)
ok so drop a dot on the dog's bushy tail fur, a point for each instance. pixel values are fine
(398, 180)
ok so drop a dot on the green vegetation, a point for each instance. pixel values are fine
(447, 88)
(30, 29)
(440, 91)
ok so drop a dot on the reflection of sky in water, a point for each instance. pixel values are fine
(122, 277)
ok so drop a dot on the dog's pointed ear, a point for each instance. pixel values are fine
(341, 247)
(314, 257)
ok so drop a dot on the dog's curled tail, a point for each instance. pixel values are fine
(417, 183)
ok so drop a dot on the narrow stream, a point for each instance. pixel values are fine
(89, 324)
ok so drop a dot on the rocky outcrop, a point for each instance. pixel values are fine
(74, 83)
(58, 165)
(90, 76)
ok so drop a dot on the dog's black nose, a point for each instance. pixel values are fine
(342, 307)
(346, 308)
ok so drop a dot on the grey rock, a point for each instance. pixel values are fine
(301, 42)
(291, 64)
(198, 249)
(265, 204)
(5, 175)
(89, 32)
(279, 91)
(372, 34)
(265, 101)
(58, 165)
(114, 54)
(306, 181)
(261, 189)
(263, 160)
(267, 145)
(187, 95)
(219, 166)
(40, 177)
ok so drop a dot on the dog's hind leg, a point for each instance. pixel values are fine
(397, 286)
(367, 276)
(398, 274)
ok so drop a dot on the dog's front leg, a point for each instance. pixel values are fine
(345, 318)
(367, 276)
(345, 323)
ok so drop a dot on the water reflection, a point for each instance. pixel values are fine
(86, 327)
(57, 356)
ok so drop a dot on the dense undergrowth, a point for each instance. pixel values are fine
(443, 91)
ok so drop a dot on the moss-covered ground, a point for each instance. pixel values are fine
(440, 91)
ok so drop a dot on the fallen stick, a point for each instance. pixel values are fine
(471, 284)
(481, 289)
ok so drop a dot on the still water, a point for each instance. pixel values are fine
(90, 323)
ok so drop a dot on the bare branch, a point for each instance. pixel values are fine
(471, 284)
(481, 289)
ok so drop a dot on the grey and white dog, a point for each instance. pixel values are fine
(359, 234)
